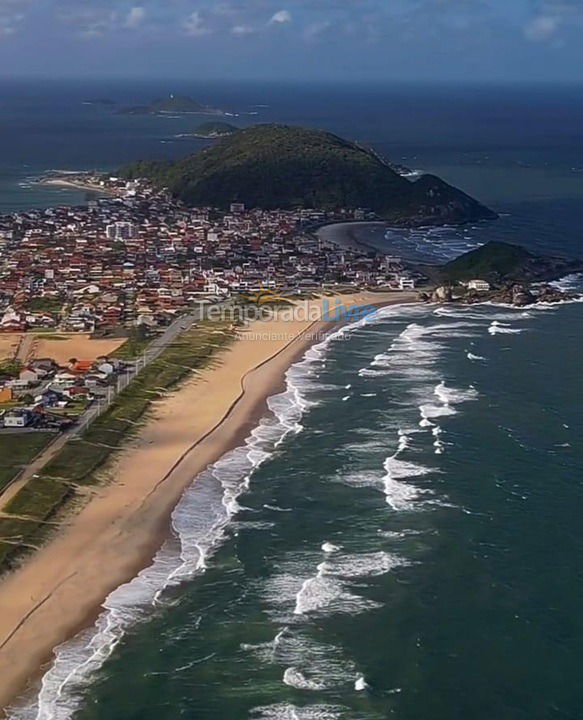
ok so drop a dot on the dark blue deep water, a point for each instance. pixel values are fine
(401, 535)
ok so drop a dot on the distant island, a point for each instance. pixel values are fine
(105, 102)
(211, 131)
(283, 167)
(174, 105)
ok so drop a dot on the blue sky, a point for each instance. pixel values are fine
(409, 40)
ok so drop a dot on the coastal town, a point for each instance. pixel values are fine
(139, 257)
(85, 290)
(131, 262)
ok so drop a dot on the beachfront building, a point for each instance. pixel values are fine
(479, 285)
(406, 283)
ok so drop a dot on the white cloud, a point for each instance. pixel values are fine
(135, 17)
(242, 30)
(10, 16)
(194, 25)
(542, 28)
(281, 17)
(312, 32)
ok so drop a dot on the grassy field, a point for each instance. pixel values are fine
(133, 347)
(17, 450)
(81, 461)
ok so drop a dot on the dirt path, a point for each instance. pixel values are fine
(26, 348)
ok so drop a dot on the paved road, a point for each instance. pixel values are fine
(154, 349)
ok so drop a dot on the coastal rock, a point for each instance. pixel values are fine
(521, 295)
(550, 294)
(515, 294)
(442, 294)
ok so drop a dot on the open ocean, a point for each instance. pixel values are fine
(400, 537)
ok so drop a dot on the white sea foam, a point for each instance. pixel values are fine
(361, 684)
(362, 565)
(399, 495)
(398, 534)
(448, 397)
(430, 412)
(296, 678)
(403, 495)
(322, 592)
(414, 352)
(294, 592)
(438, 444)
(286, 711)
(569, 283)
(328, 547)
(482, 313)
(454, 396)
(497, 328)
(309, 664)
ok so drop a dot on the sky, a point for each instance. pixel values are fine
(297, 40)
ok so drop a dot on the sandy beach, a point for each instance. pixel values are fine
(60, 589)
(77, 185)
(351, 235)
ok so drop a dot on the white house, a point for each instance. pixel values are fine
(479, 285)
(17, 419)
(406, 283)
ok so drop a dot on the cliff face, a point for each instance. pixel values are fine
(276, 166)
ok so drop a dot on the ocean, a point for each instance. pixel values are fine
(400, 535)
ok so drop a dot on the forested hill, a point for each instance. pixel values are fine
(277, 166)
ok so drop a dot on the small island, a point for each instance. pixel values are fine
(213, 130)
(103, 102)
(172, 105)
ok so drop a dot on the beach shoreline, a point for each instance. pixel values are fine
(60, 590)
(344, 234)
(62, 182)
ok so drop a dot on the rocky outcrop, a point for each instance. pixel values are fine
(442, 294)
(520, 295)
(517, 294)
(550, 294)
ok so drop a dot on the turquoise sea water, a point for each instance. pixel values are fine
(400, 536)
